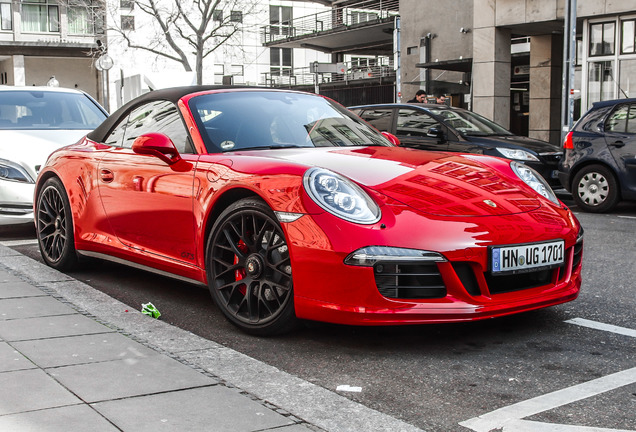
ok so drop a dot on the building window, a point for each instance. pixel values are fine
(127, 22)
(280, 60)
(219, 72)
(126, 4)
(600, 83)
(217, 15)
(6, 20)
(236, 16)
(40, 16)
(237, 70)
(628, 37)
(280, 20)
(82, 17)
(602, 36)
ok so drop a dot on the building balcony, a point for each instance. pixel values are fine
(363, 27)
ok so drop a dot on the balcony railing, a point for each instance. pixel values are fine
(359, 13)
(302, 76)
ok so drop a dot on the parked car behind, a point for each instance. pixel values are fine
(599, 164)
(34, 121)
(444, 128)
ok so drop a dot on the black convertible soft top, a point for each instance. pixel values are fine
(170, 94)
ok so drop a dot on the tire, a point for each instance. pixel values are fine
(595, 189)
(249, 269)
(54, 226)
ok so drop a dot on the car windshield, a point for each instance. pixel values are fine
(48, 110)
(468, 123)
(264, 119)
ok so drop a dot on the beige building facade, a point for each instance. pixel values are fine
(44, 38)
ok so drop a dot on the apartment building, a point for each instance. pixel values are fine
(44, 38)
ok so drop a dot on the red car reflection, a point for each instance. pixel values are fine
(289, 207)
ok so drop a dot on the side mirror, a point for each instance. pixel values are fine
(156, 144)
(436, 132)
(394, 140)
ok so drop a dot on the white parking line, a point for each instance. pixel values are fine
(510, 418)
(627, 217)
(601, 326)
(10, 243)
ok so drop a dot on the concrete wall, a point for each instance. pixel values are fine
(70, 72)
(443, 22)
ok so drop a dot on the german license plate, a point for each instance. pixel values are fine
(527, 257)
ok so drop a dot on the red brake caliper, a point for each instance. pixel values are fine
(239, 274)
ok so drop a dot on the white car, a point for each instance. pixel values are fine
(35, 121)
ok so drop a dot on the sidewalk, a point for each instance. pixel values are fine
(74, 359)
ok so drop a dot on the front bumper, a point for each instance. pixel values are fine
(326, 289)
(16, 202)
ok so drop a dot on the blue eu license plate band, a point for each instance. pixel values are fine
(527, 257)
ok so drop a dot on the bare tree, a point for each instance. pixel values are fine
(185, 31)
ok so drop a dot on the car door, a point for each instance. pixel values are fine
(620, 137)
(148, 201)
(418, 129)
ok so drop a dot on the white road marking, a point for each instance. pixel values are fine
(10, 243)
(601, 326)
(627, 217)
(510, 418)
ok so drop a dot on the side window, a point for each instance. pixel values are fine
(161, 117)
(617, 121)
(414, 123)
(116, 137)
(623, 119)
(379, 118)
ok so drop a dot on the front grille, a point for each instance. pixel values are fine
(552, 158)
(578, 254)
(514, 282)
(409, 280)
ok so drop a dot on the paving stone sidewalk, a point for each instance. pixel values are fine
(74, 359)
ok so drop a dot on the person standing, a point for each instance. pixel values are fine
(420, 97)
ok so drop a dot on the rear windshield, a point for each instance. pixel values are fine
(47, 110)
(263, 119)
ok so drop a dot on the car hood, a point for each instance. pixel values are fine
(514, 141)
(31, 148)
(442, 184)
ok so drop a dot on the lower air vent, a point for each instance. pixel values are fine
(409, 281)
(515, 282)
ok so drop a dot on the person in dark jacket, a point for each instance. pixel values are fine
(420, 97)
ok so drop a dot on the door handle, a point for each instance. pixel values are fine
(106, 175)
(618, 144)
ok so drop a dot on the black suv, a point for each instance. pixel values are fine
(444, 128)
(599, 164)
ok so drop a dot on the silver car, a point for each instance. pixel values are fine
(34, 121)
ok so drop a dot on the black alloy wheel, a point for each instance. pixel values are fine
(54, 226)
(595, 189)
(249, 269)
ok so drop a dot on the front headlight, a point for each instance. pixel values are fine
(534, 180)
(517, 154)
(340, 196)
(14, 172)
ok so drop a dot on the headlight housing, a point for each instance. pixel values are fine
(517, 154)
(340, 196)
(534, 180)
(12, 171)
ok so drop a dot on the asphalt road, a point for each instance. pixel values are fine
(437, 376)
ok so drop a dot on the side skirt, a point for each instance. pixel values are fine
(138, 266)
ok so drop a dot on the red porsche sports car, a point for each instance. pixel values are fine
(287, 206)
